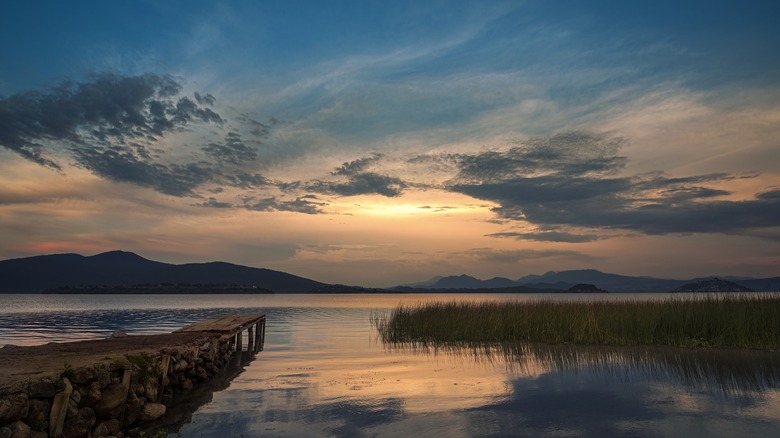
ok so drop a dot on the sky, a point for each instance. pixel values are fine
(380, 143)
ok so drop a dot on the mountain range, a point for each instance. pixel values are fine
(121, 268)
(118, 268)
(563, 280)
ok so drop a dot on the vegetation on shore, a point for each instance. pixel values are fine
(744, 321)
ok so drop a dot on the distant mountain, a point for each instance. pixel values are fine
(426, 283)
(610, 282)
(761, 284)
(564, 280)
(120, 268)
(469, 282)
(476, 290)
(712, 285)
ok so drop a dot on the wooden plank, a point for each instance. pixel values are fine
(229, 323)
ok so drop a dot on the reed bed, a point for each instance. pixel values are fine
(746, 321)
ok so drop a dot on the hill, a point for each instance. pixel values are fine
(712, 285)
(469, 282)
(610, 282)
(121, 268)
(564, 280)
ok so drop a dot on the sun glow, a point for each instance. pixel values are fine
(419, 204)
(378, 209)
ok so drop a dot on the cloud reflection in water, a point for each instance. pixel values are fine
(325, 377)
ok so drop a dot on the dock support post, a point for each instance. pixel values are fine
(260, 328)
(250, 346)
(59, 410)
(165, 364)
(239, 340)
(256, 327)
(126, 377)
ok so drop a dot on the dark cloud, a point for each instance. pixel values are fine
(577, 154)
(289, 186)
(359, 180)
(549, 236)
(304, 204)
(566, 180)
(121, 165)
(214, 203)
(113, 125)
(109, 108)
(355, 167)
(515, 256)
(256, 128)
(770, 195)
(241, 179)
(233, 150)
(367, 183)
(205, 99)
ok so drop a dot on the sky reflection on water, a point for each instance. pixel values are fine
(324, 372)
(406, 393)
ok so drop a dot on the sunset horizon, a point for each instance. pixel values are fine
(380, 144)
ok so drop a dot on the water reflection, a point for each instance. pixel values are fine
(324, 372)
(731, 372)
(183, 405)
(34, 328)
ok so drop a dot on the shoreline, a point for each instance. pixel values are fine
(115, 386)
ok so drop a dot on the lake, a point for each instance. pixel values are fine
(325, 372)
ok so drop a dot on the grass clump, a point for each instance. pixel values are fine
(144, 363)
(68, 371)
(712, 321)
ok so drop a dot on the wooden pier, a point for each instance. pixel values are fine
(24, 363)
(234, 324)
(160, 365)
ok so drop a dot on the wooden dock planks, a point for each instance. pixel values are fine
(230, 323)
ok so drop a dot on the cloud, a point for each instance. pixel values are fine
(303, 204)
(124, 166)
(115, 126)
(367, 183)
(233, 150)
(355, 167)
(110, 107)
(567, 180)
(549, 236)
(214, 203)
(359, 181)
(574, 153)
(205, 99)
(515, 256)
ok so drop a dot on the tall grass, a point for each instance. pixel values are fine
(750, 321)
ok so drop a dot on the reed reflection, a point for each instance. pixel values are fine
(732, 373)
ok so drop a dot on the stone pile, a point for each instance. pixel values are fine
(114, 398)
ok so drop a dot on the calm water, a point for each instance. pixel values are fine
(325, 373)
